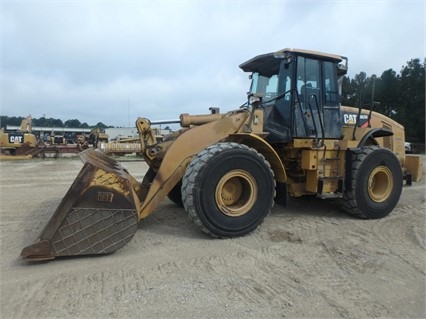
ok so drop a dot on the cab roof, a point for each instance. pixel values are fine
(269, 62)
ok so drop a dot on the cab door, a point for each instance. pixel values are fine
(316, 107)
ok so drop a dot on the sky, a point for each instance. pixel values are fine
(114, 61)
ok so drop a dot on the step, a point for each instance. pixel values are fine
(339, 191)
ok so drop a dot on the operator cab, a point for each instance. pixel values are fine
(300, 93)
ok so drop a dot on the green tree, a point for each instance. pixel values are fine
(412, 100)
(13, 121)
(55, 122)
(353, 90)
(387, 93)
(40, 121)
(348, 94)
(401, 96)
(72, 123)
(101, 125)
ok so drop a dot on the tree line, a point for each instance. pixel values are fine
(49, 122)
(398, 95)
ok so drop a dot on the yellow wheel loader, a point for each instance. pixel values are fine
(291, 138)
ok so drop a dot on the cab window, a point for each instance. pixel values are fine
(331, 91)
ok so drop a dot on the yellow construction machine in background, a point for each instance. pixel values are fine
(10, 142)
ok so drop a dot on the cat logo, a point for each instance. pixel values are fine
(349, 118)
(105, 197)
(15, 138)
(352, 119)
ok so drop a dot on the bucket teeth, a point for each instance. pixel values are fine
(37, 251)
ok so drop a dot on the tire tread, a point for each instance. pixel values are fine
(197, 163)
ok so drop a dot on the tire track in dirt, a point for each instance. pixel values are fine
(20, 230)
(302, 278)
(344, 254)
(359, 248)
(279, 248)
(225, 259)
(92, 289)
(244, 278)
(402, 238)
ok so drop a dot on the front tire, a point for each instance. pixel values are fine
(376, 183)
(228, 189)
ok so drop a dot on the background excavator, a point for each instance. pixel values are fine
(23, 144)
(291, 138)
(10, 142)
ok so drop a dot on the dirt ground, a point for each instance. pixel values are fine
(309, 259)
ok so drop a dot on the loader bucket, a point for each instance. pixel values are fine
(97, 215)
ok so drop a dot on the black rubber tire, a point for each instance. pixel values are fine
(174, 195)
(149, 176)
(206, 179)
(384, 166)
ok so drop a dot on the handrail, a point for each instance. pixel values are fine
(313, 120)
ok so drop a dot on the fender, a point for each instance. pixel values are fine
(263, 147)
(376, 132)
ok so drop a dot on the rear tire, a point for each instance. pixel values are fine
(376, 183)
(228, 189)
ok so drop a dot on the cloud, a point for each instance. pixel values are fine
(111, 61)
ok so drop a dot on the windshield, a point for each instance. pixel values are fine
(267, 86)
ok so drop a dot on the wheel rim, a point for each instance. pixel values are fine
(236, 193)
(380, 184)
